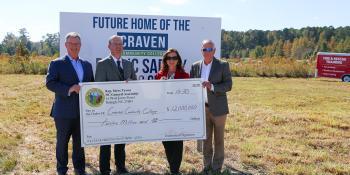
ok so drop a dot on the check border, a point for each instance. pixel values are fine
(81, 99)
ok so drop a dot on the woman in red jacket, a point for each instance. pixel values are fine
(172, 66)
(172, 69)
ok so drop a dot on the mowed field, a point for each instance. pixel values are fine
(275, 126)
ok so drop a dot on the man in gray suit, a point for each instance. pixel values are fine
(114, 68)
(217, 80)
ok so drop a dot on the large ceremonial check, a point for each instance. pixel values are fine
(138, 111)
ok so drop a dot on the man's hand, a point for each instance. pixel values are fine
(75, 88)
(206, 84)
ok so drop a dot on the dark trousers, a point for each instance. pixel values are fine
(65, 128)
(105, 157)
(173, 151)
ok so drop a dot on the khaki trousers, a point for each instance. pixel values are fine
(213, 158)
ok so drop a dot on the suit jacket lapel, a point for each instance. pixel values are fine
(84, 70)
(200, 69)
(114, 67)
(213, 68)
(71, 68)
(125, 69)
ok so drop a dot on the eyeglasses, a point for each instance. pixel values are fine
(209, 49)
(116, 44)
(174, 58)
(74, 44)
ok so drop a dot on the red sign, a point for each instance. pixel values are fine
(333, 65)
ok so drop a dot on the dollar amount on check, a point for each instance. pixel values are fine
(141, 111)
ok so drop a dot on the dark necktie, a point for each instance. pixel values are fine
(120, 69)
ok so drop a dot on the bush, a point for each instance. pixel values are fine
(23, 65)
(272, 67)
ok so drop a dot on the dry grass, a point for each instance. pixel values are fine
(23, 65)
(272, 67)
(292, 126)
(276, 126)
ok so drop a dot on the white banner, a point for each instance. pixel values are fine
(139, 111)
(146, 37)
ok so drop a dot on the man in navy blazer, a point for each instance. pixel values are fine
(63, 78)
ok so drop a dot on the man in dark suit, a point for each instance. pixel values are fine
(63, 77)
(114, 68)
(217, 80)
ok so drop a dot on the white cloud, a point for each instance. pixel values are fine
(176, 2)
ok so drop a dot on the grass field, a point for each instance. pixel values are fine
(276, 126)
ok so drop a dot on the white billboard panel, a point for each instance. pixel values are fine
(146, 37)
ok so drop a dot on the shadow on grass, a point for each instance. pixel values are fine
(92, 168)
(229, 170)
(232, 170)
(226, 172)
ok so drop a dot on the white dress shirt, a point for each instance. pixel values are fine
(78, 67)
(205, 73)
(116, 59)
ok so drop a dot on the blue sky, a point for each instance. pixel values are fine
(42, 16)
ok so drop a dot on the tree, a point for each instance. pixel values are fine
(332, 44)
(235, 54)
(244, 53)
(302, 48)
(346, 47)
(9, 44)
(288, 34)
(50, 44)
(289, 42)
(1, 49)
(343, 46)
(258, 52)
(269, 51)
(25, 39)
(322, 42)
(226, 44)
(21, 50)
(278, 47)
(287, 49)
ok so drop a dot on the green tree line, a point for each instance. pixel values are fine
(301, 43)
(21, 45)
(288, 43)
